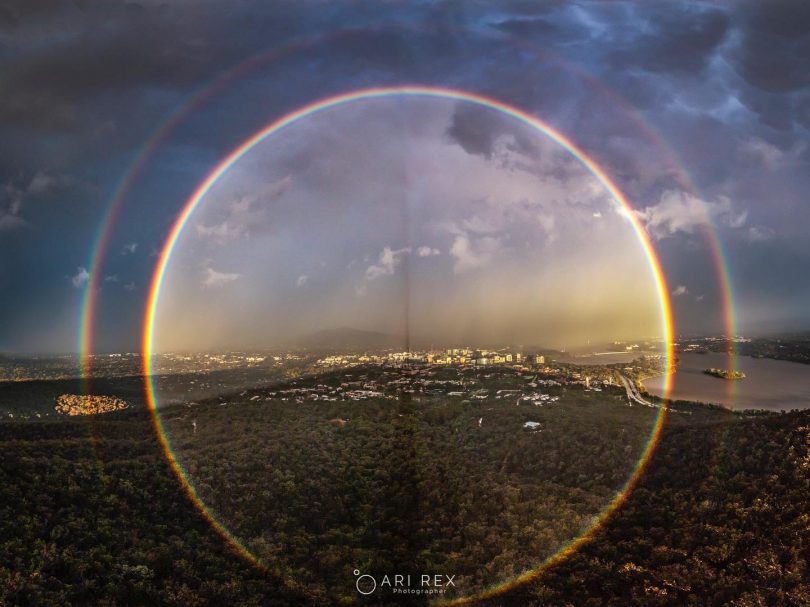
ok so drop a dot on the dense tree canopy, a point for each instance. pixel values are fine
(91, 513)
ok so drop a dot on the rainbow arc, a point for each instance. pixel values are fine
(182, 220)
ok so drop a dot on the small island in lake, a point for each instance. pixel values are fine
(724, 373)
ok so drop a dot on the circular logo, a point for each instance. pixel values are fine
(365, 584)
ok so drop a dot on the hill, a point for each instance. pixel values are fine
(92, 514)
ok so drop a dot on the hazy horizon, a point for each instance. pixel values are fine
(417, 341)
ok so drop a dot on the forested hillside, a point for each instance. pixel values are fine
(91, 514)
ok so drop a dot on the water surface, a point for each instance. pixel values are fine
(770, 384)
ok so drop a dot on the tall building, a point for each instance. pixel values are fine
(537, 359)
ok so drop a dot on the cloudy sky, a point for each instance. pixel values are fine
(393, 215)
(698, 110)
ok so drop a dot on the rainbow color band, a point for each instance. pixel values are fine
(180, 222)
(101, 243)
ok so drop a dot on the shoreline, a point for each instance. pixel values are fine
(730, 400)
(643, 388)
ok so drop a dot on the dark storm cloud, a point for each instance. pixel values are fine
(802, 105)
(8, 21)
(75, 64)
(774, 53)
(526, 27)
(84, 83)
(104, 49)
(671, 40)
(772, 61)
(475, 130)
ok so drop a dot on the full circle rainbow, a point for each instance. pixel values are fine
(667, 328)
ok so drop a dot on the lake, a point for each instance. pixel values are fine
(770, 384)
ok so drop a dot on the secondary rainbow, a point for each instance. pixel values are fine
(125, 185)
(101, 243)
(667, 329)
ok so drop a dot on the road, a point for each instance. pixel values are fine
(633, 393)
